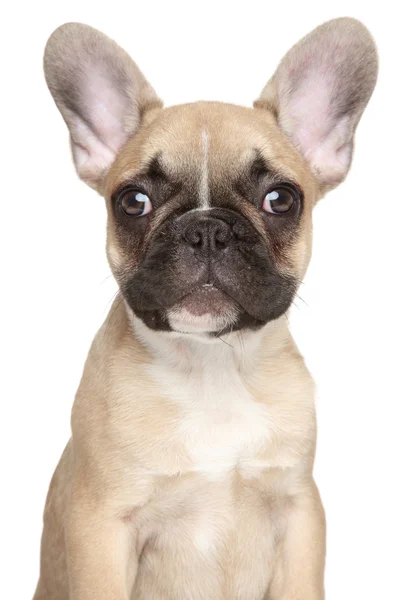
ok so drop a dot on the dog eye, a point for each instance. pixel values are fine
(135, 203)
(279, 201)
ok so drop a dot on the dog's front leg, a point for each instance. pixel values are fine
(300, 568)
(101, 555)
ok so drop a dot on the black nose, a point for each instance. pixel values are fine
(208, 234)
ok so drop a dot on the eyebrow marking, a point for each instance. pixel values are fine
(155, 170)
(204, 190)
(259, 167)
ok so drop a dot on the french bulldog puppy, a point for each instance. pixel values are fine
(189, 471)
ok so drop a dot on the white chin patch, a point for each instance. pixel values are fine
(180, 319)
(204, 310)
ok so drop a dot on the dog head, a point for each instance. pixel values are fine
(209, 204)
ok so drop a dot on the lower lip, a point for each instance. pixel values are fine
(207, 299)
(206, 309)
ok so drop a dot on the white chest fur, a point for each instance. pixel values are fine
(222, 426)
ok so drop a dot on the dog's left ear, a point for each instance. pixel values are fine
(319, 92)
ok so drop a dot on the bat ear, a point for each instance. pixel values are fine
(319, 92)
(100, 92)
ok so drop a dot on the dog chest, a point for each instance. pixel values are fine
(201, 535)
(220, 425)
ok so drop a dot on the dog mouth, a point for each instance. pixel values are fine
(204, 309)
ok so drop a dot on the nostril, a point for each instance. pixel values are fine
(208, 234)
(193, 236)
(220, 242)
(223, 236)
(197, 238)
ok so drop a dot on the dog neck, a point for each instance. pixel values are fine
(186, 352)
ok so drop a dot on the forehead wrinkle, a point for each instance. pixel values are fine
(278, 167)
(152, 170)
(259, 163)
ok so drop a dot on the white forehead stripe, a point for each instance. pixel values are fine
(204, 191)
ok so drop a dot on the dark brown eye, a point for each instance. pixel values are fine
(279, 201)
(135, 203)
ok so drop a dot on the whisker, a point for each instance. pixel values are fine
(241, 341)
(224, 341)
(294, 304)
(104, 280)
(113, 297)
(300, 298)
(113, 310)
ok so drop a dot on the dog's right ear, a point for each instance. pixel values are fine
(100, 92)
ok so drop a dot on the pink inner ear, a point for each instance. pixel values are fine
(107, 107)
(320, 90)
(308, 117)
(97, 130)
(332, 158)
(308, 112)
(91, 156)
(100, 92)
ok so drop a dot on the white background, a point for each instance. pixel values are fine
(56, 290)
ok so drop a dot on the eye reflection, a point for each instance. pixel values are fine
(279, 201)
(135, 203)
